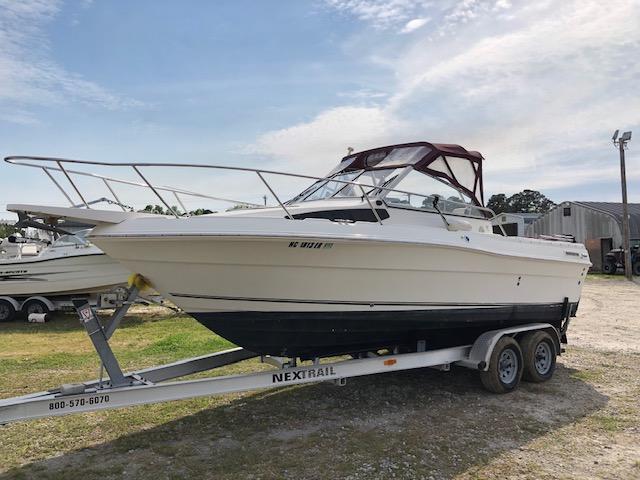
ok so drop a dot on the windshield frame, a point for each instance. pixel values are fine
(369, 187)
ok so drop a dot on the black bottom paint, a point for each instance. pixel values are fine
(318, 334)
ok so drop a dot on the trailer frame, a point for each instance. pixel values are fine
(151, 385)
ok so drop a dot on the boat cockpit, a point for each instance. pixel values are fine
(435, 178)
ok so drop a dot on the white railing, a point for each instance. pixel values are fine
(43, 163)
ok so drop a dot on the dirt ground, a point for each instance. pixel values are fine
(608, 316)
(422, 424)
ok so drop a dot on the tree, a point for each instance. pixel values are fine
(200, 211)
(527, 201)
(7, 229)
(158, 210)
(498, 203)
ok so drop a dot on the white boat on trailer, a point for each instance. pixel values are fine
(70, 266)
(391, 250)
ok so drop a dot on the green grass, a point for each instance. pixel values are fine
(591, 375)
(41, 356)
(60, 351)
(412, 424)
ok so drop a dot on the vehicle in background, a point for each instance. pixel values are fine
(615, 260)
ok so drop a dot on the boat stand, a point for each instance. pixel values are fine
(151, 386)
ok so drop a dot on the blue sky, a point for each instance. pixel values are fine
(537, 87)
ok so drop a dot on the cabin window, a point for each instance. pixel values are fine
(400, 157)
(66, 240)
(326, 189)
(567, 212)
(425, 189)
(375, 158)
(375, 178)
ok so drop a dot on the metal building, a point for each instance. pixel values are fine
(596, 224)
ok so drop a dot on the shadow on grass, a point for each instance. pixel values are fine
(412, 424)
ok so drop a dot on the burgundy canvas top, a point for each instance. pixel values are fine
(433, 153)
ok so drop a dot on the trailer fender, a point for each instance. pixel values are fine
(46, 301)
(483, 346)
(12, 301)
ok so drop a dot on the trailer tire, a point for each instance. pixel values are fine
(539, 354)
(7, 311)
(505, 367)
(636, 268)
(35, 306)
(610, 268)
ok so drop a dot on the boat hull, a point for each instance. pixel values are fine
(322, 333)
(59, 276)
(309, 296)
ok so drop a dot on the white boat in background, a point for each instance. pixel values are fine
(69, 266)
(393, 247)
(16, 247)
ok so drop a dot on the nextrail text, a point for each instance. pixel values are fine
(314, 373)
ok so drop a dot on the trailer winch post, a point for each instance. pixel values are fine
(119, 314)
(89, 320)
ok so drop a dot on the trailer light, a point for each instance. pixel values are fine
(391, 361)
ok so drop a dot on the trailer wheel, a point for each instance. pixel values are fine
(35, 306)
(539, 353)
(636, 268)
(505, 367)
(609, 268)
(7, 311)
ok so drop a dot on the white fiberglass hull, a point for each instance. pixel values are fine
(313, 287)
(58, 276)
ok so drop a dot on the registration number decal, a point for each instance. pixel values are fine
(310, 245)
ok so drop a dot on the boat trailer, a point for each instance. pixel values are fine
(151, 385)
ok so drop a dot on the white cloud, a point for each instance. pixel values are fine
(380, 13)
(364, 94)
(502, 5)
(313, 146)
(28, 75)
(414, 24)
(538, 92)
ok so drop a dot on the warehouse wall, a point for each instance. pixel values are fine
(584, 223)
(588, 226)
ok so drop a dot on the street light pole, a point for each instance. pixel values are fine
(621, 144)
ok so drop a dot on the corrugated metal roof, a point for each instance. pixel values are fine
(615, 210)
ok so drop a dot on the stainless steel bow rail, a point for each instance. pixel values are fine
(151, 385)
(44, 164)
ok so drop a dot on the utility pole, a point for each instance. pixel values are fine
(621, 144)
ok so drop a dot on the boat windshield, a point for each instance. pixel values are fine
(370, 179)
(425, 189)
(79, 239)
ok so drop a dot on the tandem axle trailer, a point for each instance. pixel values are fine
(503, 357)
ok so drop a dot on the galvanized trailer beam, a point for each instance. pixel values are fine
(142, 377)
(93, 399)
(195, 365)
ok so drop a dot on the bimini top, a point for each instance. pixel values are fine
(460, 167)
